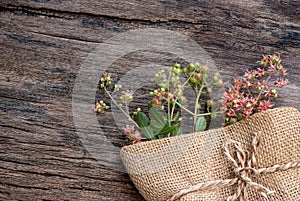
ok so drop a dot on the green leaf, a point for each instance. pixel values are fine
(167, 130)
(200, 124)
(176, 117)
(156, 117)
(177, 131)
(148, 132)
(143, 122)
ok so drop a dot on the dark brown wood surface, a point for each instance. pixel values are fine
(45, 42)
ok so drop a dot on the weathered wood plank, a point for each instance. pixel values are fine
(44, 44)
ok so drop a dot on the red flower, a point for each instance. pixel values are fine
(283, 72)
(264, 105)
(261, 72)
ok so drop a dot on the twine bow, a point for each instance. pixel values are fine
(244, 167)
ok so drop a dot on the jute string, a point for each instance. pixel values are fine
(245, 168)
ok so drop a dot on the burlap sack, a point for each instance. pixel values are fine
(162, 168)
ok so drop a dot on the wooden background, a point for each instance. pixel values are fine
(45, 42)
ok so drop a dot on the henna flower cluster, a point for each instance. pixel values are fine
(249, 94)
(134, 136)
(255, 90)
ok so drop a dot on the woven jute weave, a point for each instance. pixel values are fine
(255, 159)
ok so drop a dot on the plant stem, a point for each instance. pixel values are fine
(172, 112)
(187, 110)
(196, 103)
(168, 98)
(267, 80)
(120, 108)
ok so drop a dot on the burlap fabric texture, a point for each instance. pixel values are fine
(256, 159)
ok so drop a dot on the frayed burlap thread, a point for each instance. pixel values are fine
(187, 166)
(244, 167)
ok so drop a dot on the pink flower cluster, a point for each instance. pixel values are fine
(134, 136)
(249, 94)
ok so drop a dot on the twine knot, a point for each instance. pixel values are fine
(245, 168)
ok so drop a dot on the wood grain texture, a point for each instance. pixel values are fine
(45, 42)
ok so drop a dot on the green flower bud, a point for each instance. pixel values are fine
(183, 100)
(206, 70)
(216, 77)
(220, 84)
(279, 67)
(177, 65)
(209, 103)
(239, 117)
(191, 67)
(193, 81)
(209, 90)
(273, 91)
(213, 115)
(197, 65)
